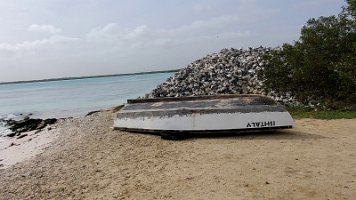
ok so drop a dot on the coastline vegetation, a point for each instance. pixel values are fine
(314, 113)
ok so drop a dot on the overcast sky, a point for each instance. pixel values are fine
(64, 38)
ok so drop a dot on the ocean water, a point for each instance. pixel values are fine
(73, 98)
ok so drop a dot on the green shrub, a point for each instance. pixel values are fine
(321, 65)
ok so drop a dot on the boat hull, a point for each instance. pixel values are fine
(222, 113)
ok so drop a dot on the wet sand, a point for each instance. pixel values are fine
(88, 160)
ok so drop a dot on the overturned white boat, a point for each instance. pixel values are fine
(202, 114)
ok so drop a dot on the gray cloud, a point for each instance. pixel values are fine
(37, 44)
(144, 37)
(312, 4)
(45, 28)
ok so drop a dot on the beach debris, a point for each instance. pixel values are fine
(13, 144)
(231, 71)
(27, 174)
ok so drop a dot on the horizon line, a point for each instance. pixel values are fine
(91, 76)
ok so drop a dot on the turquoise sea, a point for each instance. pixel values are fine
(75, 97)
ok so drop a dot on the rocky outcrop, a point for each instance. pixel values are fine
(231, 71)
(27, 124)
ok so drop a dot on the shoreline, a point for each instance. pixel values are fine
(28, 144)
(88, 160)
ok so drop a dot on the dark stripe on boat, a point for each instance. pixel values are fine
(200, 131)
(186, 112)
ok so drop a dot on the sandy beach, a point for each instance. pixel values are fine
(86, 159)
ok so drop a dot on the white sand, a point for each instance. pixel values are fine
(14, 150)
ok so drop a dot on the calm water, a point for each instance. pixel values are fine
(74, 97)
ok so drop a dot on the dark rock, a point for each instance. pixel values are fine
(41, 125)
(50, 121)
(11, 135)
(47, 122)
(13, 144)
(10, 122)
(28, 124)
(92, 112)
(22, 136)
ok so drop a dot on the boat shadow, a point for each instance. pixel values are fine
(280, 134)
(257, 135)
(273, 134)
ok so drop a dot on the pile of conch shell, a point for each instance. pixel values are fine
(231, 71)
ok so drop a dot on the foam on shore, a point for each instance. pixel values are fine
(3, 129)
